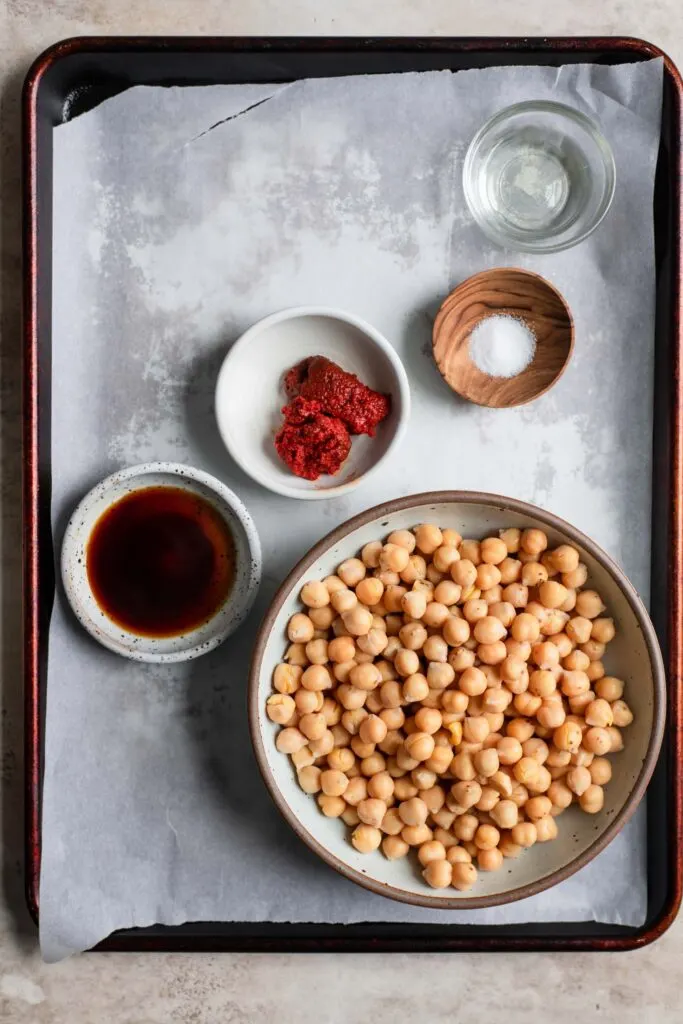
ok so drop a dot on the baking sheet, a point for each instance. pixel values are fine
(180, 217)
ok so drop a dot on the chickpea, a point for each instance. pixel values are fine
(551, 593)
(372, 763)
(456, 631)
(597, 741)
(435, 614)
(296, 655)
(414, 604)
(533, 574)
(546, 829)
(415, 570)
(492, 654)
(560, 796)
(526, 771)
(578, 779)
(431, 851)
(315, 594)
(525, 627)
(428, 538)
(466, 794)
(574, 684)
(444, 557)
(520, 729)
(551, 715)
(366, 838)
(390, 694)
(419, 746)
(527, 704)
(435, 648)
(593, 649)
(589, 604)
(440, 760)
(369, 591)
(289, 740)
(428, 720)
(405, 788)
(505, 814)
(622, 715)
(600, 771)
(280, 707)
(406, 662)
(358, 620)
(333, 783)
(342, 601)
(365, 676)
(487, 576)
(352, 571)
(603, 630)
(341, 649)
(599, 713)
(322, 618)
(371, 811)
(592, 799)
(341, 759)
(542, 683)
(372, 729)
(473, 610)
(438, 874)
(300, 628)
(509, 750)
(486, 837)
(415, 688)
(323, 746)
(568, 736)
(533, 541)
(493, 550)
(439, 676)
(464, 876)
(313, 726)
(394, 557)
(413, 636)
(617, 742)
(448, 593)
(331, 806)
(579, 629)
(462, 767)
(609, 688)
(464, 573)
(370, 554)
(576, 661)
(415, 835)
(393, 847)
(351, 719)
(488, 630)
(391, 822)
(524, 834)
(486, 762)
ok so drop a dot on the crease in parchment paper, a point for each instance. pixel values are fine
(344, 193)
(239, 113)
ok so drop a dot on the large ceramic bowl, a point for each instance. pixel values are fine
(634, 655)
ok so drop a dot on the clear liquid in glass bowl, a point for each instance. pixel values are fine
(539, 177)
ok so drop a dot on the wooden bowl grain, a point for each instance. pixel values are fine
(519, 293)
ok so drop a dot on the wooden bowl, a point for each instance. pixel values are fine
(503, 290)
(633, 652)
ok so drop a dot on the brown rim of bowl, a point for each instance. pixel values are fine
(658, 675)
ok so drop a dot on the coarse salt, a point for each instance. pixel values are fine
(502, 345)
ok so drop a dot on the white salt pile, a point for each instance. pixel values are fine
(502, 345)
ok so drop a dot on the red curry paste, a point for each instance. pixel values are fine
(326, 405)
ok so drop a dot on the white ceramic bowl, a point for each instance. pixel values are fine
(194, 642)
(250, 395)
(634, 655)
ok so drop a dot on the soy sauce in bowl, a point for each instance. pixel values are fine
(161, 561)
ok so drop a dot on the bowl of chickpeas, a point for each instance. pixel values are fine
(457, 699)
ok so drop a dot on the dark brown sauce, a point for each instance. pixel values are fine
(161, 561)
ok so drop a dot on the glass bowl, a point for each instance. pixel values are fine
(539, 177)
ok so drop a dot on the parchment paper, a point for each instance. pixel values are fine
(181, 216)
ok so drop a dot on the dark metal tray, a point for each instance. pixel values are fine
(77, 74)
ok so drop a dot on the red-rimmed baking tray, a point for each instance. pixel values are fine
(74, 76)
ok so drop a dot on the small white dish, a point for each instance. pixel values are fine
(194, 642)
(250, 395)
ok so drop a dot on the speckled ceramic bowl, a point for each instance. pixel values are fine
(633, 654)
(194, 642)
